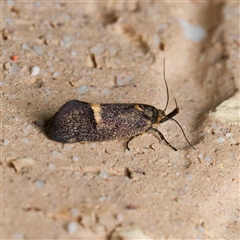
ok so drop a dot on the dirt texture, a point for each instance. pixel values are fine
(113, 52)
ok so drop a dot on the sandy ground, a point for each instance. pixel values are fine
(113, 52)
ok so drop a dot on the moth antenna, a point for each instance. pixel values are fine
(181, 127)
(164, 77)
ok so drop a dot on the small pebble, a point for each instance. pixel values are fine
(74, 212)
(25, 140)
(56, 153)
(192, 32)
(51, 166)
(67, 41)
(24, 46)
(119, 217)
(189, 177)
(221, 139)
(72, 227)
(105, 91)
(35, 71)
(15, 68)
(75, 158)
(103, 175)
(207, 158)
(98, 49)
(56, 74)
(228, 135)
(38, 50)
(6, 142)
(73, 53)
(83, 89)
(120, 81)
(40, 123)
(39, 183)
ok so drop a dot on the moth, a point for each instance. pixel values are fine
(78, 121)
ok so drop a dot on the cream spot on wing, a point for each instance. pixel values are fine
(138, 107)
(97, 112)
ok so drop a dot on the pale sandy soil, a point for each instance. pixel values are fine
(113, 52)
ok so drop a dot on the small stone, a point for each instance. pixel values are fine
(40, 123)
(72, 227)
(74, 212)
(51, 166)
(129, 232)
(35, 71)
(38, 50)
(221, 139)
(75, 158)
(6, 142)
(15, 68)
(56, 153)
(20, 163)
(25, 140)
(103, 174)
(120, 81)
(73, 53)
(83, 89)
(24, 46)
(56, 74)
(39, 183)
(228, 135)
(98, 49)
(192, 32)
(67, 41)
(207, 158)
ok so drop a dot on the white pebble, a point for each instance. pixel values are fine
(51, 166)
(192, 32)
(74, 212)
(75, 158)
(105, 91)
(67, 41)
(24, 46)
(98, 49)
(221, 139)
(35, 71)
(123, 81)
(56, 153)
(6, 142)
(25, 140)
(72, 227)
(228, 135)
(189, 177)
(39, 183)
(56, 74)
(38, 50)
(15, 68)
(83, 89)
(73, 53)
(93, 145)
(103, 175)
(207, 158)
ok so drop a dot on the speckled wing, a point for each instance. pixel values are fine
(71, 123)
(78, 121)
(119, 121)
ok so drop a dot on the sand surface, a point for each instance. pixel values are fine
(113, 52)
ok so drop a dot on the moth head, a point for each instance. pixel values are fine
(161, 115)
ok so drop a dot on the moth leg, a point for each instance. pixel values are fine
(130, 139)
(161, 136)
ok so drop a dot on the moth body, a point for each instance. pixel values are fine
(78, 121)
